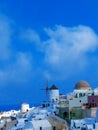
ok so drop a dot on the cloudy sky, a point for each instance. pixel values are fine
(40, 40)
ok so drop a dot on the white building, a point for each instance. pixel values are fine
(96, 91)
(13, 113)
(38, 125)
(33, 125)
(79, 96)
(85, 124)
(34, 119)
(25, 107)
(54, 94)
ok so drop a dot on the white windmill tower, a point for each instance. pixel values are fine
(53, 94)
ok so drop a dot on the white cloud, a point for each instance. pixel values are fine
(30, 35)
(63, 54)
(66, 49)
(19, 71)
(5, 38)
(15, 66)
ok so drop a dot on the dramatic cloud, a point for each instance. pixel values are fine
(63, 54)
(66, 50)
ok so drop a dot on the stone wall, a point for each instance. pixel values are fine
(58, 123)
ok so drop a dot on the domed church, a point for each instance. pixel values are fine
(82, 85)
(82, 88)
(80, 94)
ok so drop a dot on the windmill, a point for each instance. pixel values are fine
(47, 90)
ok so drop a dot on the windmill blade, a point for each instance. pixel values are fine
(42, 89)
(46, 89)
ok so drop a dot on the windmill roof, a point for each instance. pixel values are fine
(53, 87)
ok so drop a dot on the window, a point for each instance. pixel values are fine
(84, 129)
(15, 124)
(93, 126)
(40, 128)
(76, 96)
(84, 94)
(65, 114)
(80, 95)
(54, 128)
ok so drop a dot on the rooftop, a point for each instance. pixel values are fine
(53, 87)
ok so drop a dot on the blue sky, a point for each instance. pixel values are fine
(46, 39)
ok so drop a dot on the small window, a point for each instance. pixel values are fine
(84, 94)
(93, 126)
(80, 95)
(76, 96)
(15, 124)
(80, 101)
(54, 128)
(40, 128)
